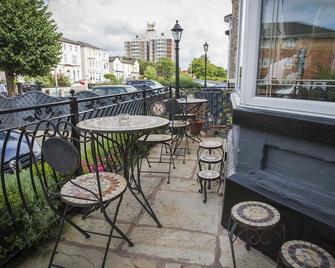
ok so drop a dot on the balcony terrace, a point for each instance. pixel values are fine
(191, 236)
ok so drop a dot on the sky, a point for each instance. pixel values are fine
(108, 23)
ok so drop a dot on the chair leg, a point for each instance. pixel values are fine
(201, 186)
(170, 161)
(114, 226)
(231, 230)
(147, 159)
(58, 238)
(111, 232)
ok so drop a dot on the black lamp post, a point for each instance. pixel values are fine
(206, 50)
(177, 32)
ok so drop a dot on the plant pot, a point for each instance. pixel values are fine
(196, 126)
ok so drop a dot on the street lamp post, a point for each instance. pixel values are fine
(177, 32)
(206, 50)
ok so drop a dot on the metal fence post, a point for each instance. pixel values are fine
(144, 100)
(170, 92)
(75, 136)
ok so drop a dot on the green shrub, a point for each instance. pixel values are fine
(34, 223)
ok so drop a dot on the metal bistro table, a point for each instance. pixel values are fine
(193, 104)
(124, 136)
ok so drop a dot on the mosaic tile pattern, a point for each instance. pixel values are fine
(112, 185)
(112, 124)
(179, 123)
(210, 144)
(156, 138)
(297, 253)
(210, 158)
(255, 214)
(209, 174)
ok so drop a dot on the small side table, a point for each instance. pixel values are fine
(257, 220)
(302, 254)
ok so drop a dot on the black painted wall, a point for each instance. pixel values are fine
(288, 161)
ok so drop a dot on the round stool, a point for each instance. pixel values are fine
(210, 144)
(302, 254)
(207, 176)
(255, 218)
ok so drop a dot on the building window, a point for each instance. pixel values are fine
(306, 70)
(74, 59)
(300, 76)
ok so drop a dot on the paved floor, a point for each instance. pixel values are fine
(191, 235)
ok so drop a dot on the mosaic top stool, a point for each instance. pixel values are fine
(210, 158)
(256, 220)
(205, 177)
(302, 254)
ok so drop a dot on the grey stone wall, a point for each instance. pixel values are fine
(233, 39)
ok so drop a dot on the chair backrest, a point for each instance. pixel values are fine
(61, 155)
(173, 107)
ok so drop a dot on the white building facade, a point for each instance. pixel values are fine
(95, 63)
(70, 62)
(124, 68)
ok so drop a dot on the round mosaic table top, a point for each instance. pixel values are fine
(132, 124)
(191, 101)
(156, 138)
(209, 174)
(112, 185)
(297, 254)
(210, 158)
(210, 144)
(255, 214)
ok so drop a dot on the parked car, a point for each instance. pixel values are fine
(145, 84)
(27, 87)
(11, 148)
(113, 89)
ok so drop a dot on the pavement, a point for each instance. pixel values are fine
(191, 236)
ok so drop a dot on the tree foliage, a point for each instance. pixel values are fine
(29, 43)
(144, 64)
(150, 73)
(213, 72)
(111, 77)
(165, 68)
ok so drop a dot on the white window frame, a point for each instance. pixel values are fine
(252, 22)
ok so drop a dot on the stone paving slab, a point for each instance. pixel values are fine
(95, 225)
(186, 211)
(181, 246)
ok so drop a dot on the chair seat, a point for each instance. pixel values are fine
(210, 144)
(112, 185)
(253, 214)
(179, 124)
(210, 158)
(209, 174)
(156, 138)
(297, 253)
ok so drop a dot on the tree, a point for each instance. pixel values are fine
(111, 77)
(165, 68)
(214, 72)
(144, 64)
(29, 43)
(150, 73)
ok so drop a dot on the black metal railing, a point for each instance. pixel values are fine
(24, 215)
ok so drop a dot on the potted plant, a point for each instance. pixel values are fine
(196, 125)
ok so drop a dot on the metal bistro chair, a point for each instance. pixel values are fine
(178, 126)
(96, 189)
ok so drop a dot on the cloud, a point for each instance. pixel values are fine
(108, 23)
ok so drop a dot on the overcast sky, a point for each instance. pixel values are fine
(108, 23)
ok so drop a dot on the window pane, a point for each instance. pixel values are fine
(297, 50)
